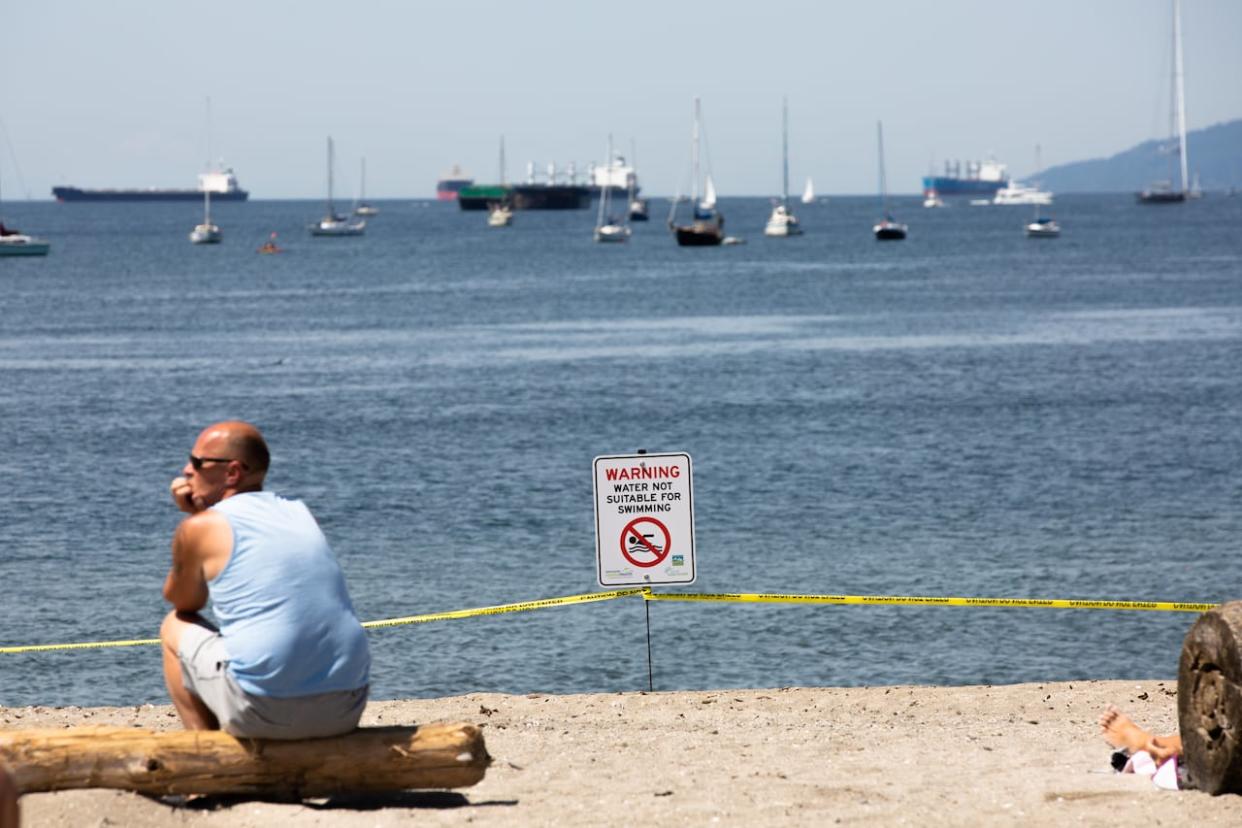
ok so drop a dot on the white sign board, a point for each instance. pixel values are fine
(644, 520)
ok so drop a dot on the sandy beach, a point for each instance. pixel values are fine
(1027, 753)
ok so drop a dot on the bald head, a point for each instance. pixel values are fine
(241, 441)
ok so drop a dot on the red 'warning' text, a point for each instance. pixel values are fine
(643, 473)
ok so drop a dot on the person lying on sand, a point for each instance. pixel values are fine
(1120, 732)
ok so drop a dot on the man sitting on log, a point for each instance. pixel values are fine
(289, 660)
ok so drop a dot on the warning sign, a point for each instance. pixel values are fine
(644, 519)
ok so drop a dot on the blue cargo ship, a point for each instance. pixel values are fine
(970, 178)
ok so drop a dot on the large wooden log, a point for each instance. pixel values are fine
(1209, 701)
(368, 760)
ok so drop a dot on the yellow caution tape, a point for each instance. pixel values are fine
(727, 597)
(89, 645)
(522, 606)
(926, 601)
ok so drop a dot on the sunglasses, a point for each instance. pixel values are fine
(197, 462)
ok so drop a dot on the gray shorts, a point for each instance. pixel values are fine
(204, 672)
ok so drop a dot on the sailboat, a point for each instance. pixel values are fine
(808, 194)
(207, 232)
(1041, 227)
(364, 209)
(1162, 192)
(16, 243)
(887, 229)
(499, 213)
(707, 224)
(333, 224)
(609, 228)
(782, 222)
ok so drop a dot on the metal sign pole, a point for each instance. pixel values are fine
(650, 680)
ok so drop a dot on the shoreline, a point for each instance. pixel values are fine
(969, 755)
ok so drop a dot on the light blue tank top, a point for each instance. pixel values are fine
(285, 617)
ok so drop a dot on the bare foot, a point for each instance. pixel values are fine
(1120, 732)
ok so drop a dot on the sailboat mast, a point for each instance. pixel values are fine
(208, 133)
(633, 176)
(785, 151)
(502, 160)
(331, 211)
(605, 188)
(362, 190)
(694, 155)
(1179, 90)
(879, 132)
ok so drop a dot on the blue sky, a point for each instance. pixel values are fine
(112, 93)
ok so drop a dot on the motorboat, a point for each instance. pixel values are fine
(933, 199)
(1017, 193)
(638, 209)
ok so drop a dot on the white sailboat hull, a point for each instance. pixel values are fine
(337, 227)
(1046, 229)
(782, 223)
(19, 244)
(206, 234)
(612, 233)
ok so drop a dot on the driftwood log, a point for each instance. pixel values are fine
(368, 760)
(1209, 701)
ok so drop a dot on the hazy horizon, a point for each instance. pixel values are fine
(113, 95)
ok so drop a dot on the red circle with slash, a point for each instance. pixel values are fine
(636, 537)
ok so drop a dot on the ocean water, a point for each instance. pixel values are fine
(966, 413)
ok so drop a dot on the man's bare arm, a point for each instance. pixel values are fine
(200, 545)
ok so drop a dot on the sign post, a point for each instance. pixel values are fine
(644, 519)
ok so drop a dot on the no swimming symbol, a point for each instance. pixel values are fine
(645, 542)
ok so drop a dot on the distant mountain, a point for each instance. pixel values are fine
(1215, 154)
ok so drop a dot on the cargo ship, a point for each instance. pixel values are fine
(618, 176)
(221, 183)
(970, 178)
(554, 192)
(525, 196)
(451, 183)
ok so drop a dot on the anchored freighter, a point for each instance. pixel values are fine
(222, 184)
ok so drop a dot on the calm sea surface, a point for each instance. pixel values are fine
(966, 413)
